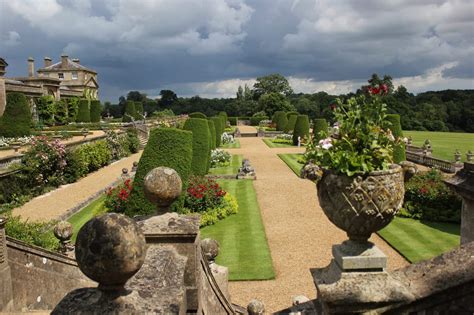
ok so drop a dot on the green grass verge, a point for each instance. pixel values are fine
(417, 240)
(292, 161)
(235, 145)
(444, 143)
(95, 208)
(231, 169)
(243, 244)
(271, 144)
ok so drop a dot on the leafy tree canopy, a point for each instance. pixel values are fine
(273, 83)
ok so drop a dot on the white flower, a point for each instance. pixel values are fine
(390, 135)
(326, 144)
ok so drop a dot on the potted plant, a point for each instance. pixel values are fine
(360, 189)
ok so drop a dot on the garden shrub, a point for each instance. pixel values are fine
(95, 155)
(33, 233)
(280, 120)
(16, 119)
(399, 153)
(288, 114)
(168, 147)
(139, 111)
(220, 158)
(301, 128)
(201, 144)
(232, 121)
(46, 109)
(197, 115)
(255, 121)
(224, 115)
(227, 138)
(60, 112)
(428, 198)
(130, 112)
(96, 109)
(72, 108)
(133, 141)
(219, 125)
(118, 145)
(83, 114)
(212, 134)
(290, 126)
(116, 198)
(320, 129)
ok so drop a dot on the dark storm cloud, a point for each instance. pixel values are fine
(209, 46)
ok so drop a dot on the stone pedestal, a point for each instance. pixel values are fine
(6, 296)
(352, 256)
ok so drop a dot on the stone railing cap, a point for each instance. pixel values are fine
(170, 223)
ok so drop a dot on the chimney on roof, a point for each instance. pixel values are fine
(76, 60)
(64, 61)
(47, 62)
(31, 67)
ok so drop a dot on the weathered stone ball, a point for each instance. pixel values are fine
(162, 185)
(210, 248)
(110, 249)
(124, 170)
(256, 307)
(63, 231)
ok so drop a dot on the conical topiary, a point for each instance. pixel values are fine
(16, 119)
(201, 144)
(301, 128)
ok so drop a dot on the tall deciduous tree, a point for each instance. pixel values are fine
(272, 102)
(273, 83)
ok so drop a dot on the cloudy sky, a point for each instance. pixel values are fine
(209, 47)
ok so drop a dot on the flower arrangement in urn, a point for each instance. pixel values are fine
(360, 189)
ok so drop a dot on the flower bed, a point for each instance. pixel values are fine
(219, 158)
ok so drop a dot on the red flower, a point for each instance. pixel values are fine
(333, 106)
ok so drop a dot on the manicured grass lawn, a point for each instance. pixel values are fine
(270, 144)
(234, 145)
(417, 240)
(233, 168)
(243, 244)
(444, 143)
(292, 161)
(95, 208)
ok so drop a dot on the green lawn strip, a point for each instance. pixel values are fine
(95, 208)
(271, 144)
(292, 161)
(235, 145)
(231, 169)
(243, 244)
(417, 240)
(444, 143)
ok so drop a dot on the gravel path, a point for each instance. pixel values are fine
(55, 203)
(299, 234)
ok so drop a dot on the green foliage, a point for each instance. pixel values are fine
(301, 129)
(428, 198)
(46, 109)
(96, 109)
(272, 102)
(219, 125)
(220, 158)
(139, 111)
(280, 120)
(168, 147)
(393, 123)
(32, 233)
(16, 119)
(72, 109)
(232, 121)
(288, 114)
(116, 198)
(130, 111)
(133, 141)
(201, 145)
(163, 113)
(61, 115)
(290, 126)
(83, 114)
(197, 115)
(320, 129)
(94, 155)
(224, 115)
(255, 121)
(212, 134)
(273, 83)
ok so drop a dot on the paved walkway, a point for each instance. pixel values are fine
(52, 205)
(299, 234)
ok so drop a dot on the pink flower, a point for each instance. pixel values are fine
(326, 144)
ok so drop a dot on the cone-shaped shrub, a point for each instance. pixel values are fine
(16, 119)
(130, 111)
(198, 115)
(95, 111)
(280, 120)
(224, 114)
(201, 144)
(320, 124)
(301, 128)
(168, 147)
(219, 125)
(212, 134)
(290, 126)
(84, 113)
(288, 114)
(399, 153)
(138, 111)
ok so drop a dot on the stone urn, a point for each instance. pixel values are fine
(362, 205)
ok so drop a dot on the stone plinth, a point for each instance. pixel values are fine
(6, 295)
(352, 256)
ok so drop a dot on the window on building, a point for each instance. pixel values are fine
(74, 75)
(61, 76)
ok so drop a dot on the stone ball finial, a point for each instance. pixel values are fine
(124, 171)
(110, 249)
(162, 185)
(256, 307)
(210, 248)
(63, 231)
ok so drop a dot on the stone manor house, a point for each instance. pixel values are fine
(64, 79)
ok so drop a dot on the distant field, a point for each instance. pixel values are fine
(444, 143)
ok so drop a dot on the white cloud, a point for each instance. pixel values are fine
(12, 39)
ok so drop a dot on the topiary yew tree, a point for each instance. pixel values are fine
(224, 115)
(301, 128)
(393, 124)
(219, 125)
(280, 120)
(212, 134)
(139, 111)
(83, 114)
(290, 126)
(130, 111)
(320, 125)
(201, 144)
(16, 119)
(197, 115)
(168, 147)
(96, 109)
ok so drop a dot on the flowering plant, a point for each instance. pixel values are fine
(117, 197)
(227, 138)
(363, 143)
(220, 158)
(203, 194)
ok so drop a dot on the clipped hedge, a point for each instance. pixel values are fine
(223, 114)
(279, 118)
(212, 134)
(130, 111)
(139, 111)
(320, 124)
(290, 126)
(95, 111)
(197, 115)
(288, 114)
(168, 147)
(399, 153)
(301, 128)
(16, 119)
(255, 121)
(219, 125)
(232, 121)
(201, 145)
(84, 113)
